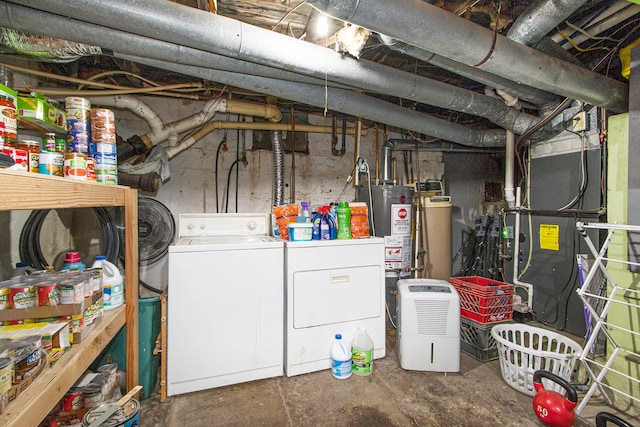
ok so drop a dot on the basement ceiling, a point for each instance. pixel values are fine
(592, 36)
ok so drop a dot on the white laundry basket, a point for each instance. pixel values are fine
(524, 349)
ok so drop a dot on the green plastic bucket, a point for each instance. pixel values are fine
(148, 330)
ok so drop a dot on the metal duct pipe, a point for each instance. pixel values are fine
(211, 33)
(533, 95)
(540, 18)
(429, 27)
(345, 101)
(278, 168)
(410, 144)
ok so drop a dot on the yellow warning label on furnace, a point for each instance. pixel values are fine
(549, 237)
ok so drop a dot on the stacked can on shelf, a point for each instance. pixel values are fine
(78, 137)
(103, 145)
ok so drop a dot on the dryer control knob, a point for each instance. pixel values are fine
(190, 227)
(203, 226)
(252, 225)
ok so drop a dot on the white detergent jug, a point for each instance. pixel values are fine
(362, 353)
(112, 284)
(340, 359)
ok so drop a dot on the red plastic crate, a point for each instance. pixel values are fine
(484, 300)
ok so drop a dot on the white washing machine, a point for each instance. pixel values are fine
(332, 287)
(225, 303)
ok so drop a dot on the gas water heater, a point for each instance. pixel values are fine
(391, 217)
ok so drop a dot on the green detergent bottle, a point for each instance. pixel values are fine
(344, 220)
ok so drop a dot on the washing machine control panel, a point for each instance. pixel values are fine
(206, 224)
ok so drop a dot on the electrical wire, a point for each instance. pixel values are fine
(234, 164)
(220, 145)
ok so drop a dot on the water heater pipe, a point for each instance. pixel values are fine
(215, 125)
(509, 161)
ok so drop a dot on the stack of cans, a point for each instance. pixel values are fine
(103, 145)
(76, 164)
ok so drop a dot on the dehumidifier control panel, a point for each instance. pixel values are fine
(429, 288)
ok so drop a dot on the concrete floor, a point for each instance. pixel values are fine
(390, 396)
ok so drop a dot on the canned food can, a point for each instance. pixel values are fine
(103, 136)
(78, 126)
(78, 136)
(50, 163)
(23, 296)
(61, 145)
(106, 158)
(77, 103)
(91, 169)
(102, 114)
(48, 294)
(71, 290)
(4, 296)
(1, 135)
(103, 148)
(20, 158)
(107, 179)
(102, 169)
(75, 166)
(49, 142)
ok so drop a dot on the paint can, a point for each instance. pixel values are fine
(50, 163)
(75, 166)
(128, 415)
(92, 395)
(73, 399)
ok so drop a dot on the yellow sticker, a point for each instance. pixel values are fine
(549, 237)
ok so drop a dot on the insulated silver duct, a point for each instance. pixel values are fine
(278, 168)
(527, 93)
(345, 101)
(224, 36)
(429, 27)
(540, 18)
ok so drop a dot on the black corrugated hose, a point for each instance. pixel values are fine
(31, 252)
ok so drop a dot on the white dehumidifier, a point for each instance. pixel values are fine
(428, 325)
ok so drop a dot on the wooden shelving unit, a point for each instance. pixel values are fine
(21, 190)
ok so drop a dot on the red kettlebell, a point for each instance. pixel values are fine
(603, 417)
(552, 408)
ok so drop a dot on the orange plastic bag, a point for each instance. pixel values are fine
(359, 220)
(284, 215)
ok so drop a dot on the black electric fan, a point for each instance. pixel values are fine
(156, 230)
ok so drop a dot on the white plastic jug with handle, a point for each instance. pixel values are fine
(362, 353)
(340, 359)
(112, 284)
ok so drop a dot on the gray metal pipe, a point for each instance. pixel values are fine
(46, 24)
(345, 101)
(429, 27)
(225, 36)
(540, 18)
(527, 93)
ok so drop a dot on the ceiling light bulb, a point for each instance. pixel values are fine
(322, 25)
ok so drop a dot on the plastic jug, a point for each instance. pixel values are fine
(112, 283)
(340, 359)
(344, 220)
(362, 353)
(23, 268)
(73, 262)
(306, 216)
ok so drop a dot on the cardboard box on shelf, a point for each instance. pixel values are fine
(35, 108)
(50, 312)
(54, 334)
